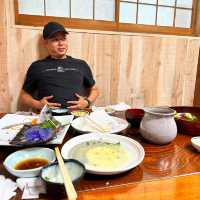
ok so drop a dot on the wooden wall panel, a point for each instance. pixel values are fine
(24, 47)
(131, 70)
(190, 75)
(140, 70)
(197, 25)
(107, 67)
(167, 70)
(156, 73)
(4, 87)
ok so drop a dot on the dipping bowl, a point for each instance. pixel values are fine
(59, 111)
(134, 116)
(52, 177)
(37, 152)
(188, 127)
(196, 143)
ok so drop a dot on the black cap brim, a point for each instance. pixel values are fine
(56, 31)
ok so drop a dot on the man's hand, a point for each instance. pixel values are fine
(45, 101)
(81, 103)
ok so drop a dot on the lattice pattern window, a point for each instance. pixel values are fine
(165, 16)
(81, 9)
(172, 13)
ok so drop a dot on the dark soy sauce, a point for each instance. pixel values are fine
(31, 163)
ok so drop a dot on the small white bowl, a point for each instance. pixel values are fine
(53, 179)
(36, 152)
(196, 142)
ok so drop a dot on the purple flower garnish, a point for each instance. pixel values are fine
(37, 134)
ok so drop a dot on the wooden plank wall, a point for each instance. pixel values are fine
(196, 101)
(5, 97)
(140, 70)
(197, 25)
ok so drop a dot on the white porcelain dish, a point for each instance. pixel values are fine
(36, 152)
(80, 125)
(107, 109)
(132, 147)
(6, 135)
(196, 142)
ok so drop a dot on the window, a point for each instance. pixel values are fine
(160, 16)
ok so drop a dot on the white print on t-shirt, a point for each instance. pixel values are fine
(61, 69)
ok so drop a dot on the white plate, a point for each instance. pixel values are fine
(65, 119)
(6, 135)
(132, 147)
(105, 108)
(196, 142)
(79, 125)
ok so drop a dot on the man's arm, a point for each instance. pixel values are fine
(93, 94)
(25, 99)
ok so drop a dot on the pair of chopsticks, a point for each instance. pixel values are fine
(96, 125)
(69, 187)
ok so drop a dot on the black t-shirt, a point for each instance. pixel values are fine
(61, 78)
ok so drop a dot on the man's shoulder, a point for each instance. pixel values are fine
(76, 60)
(39, 62)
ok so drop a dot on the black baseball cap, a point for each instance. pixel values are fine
(51, 28)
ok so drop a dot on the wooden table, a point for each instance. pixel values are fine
(168, 172)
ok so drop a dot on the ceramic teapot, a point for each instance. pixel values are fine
(158, 125)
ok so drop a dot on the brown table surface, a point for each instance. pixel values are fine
(169, 171)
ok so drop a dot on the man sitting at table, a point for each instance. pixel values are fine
(59, 79)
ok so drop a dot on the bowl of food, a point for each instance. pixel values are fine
(29, 162)
(134, 116)
(104, 154)
(80, 112)
(188, 120)
(196, 143)
(108, 109)
(52, 177)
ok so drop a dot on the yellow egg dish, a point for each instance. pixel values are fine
(101, 154)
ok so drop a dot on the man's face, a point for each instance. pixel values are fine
(57, 45)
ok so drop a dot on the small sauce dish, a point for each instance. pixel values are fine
(80, 112)
(29, 162)
(52, 177)
(59, 111)
(196, 143)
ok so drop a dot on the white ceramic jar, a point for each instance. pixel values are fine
(158, 125)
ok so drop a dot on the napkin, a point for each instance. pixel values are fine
(110, 108)
(6, 136)
(121, 106)
(100, 120)
(7, 188)
(31, 187)
(12, 119)
(100, 116)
